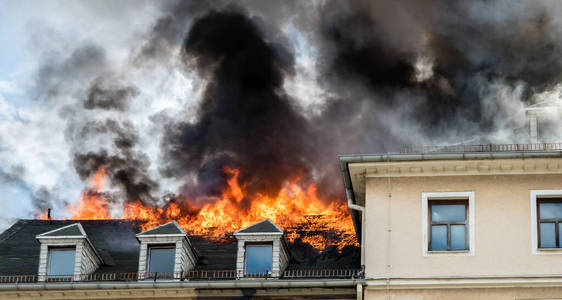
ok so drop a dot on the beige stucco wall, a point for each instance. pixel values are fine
(465, 294)
(393, 233)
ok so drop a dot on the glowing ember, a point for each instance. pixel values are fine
(296, 209)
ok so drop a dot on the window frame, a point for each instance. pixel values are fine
(555, 221)
(148, 258)
(49, 261)
(535, 197)
(448, 224)
(426, 226)
(246, 257)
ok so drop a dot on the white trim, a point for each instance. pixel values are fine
(259, 233)
(254, 233)
(160, 235)
(448, 196)
(534, 232)
(60, 237)
(43, 235)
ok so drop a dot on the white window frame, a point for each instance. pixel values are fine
(534, 231)
(160, 246)
(426, 197)
(258, 245)
(50, 262)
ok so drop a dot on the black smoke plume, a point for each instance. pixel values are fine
(245, 119)
(391, 73)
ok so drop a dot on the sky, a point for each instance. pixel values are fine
(165, 94)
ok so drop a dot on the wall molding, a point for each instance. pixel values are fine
(456, 283)
(460, 167)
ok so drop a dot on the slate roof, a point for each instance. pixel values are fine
(265, 226)
(70, 230)
(169, 228)
(115, 241)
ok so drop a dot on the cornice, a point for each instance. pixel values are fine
(461, 167)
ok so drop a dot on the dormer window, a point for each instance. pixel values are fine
(259, 258)
(165, 253)
(66, 254)
(161, 261)
(262, 250)
(61, 262)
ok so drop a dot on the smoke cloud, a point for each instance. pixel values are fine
(279, 89)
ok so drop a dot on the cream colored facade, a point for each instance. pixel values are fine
(503, 261)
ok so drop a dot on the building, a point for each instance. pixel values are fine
(459, 222)
(115, 259)
(462, 222)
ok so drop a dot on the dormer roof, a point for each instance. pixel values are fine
(72, 231)
(262, 227)
(168, 229)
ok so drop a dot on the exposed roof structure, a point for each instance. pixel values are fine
(116, 242)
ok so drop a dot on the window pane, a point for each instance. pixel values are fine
(458, 237)
(161, 260)
(438, 237)
(550, 210)
(448, 213)
(548, 235)
(258, 257)
(61, 261)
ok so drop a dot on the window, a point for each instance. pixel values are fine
(61, 262)
(549, 214)
(259, 257)
(448, 225)
(161, 261)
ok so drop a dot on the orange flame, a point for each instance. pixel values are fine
(93, 205)
(296, 209)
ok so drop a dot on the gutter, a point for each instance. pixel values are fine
(351, 283)
(360, 158)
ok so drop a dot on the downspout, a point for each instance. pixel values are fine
(361, 210)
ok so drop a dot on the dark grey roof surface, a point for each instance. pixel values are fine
(115, 241)
(169, 228)
(264, 226)
(68, 231)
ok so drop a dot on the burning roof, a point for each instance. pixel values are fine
(297, 209)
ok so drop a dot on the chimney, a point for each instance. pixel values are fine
(49, 214)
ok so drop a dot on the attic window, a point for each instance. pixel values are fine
(259, 257)
(61, 262)
(161, 261)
